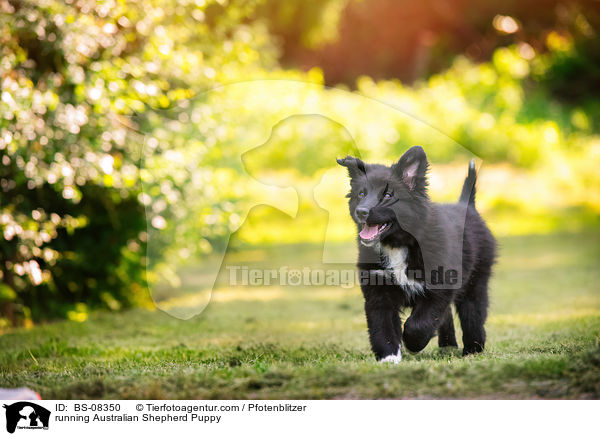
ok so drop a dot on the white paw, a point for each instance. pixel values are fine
(393, 358)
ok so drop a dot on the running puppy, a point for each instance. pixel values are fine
(419, 254)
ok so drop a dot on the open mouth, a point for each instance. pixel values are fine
(369, 233)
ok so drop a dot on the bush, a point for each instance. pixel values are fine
(79, 82)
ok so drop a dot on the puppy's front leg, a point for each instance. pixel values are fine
(424, 322)
(384, 333)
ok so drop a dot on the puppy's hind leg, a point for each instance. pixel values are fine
(446, 335)
(472, 311)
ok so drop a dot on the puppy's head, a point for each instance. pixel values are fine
(384, 200)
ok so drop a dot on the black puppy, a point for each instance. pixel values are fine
(420, 254)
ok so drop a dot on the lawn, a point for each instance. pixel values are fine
(290, 342)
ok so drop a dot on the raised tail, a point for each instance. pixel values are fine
(468, 191)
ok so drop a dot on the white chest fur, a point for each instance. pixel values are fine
(395, 259)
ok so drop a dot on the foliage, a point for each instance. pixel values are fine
(73, 74)
(298, 24)
(409, 40)
(495, 110)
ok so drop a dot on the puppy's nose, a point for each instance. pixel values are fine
(362, 213)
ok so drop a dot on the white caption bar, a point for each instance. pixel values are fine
(298, 417)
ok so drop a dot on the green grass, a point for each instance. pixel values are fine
(272, 342)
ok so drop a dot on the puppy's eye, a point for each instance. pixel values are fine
(388, 195)
(362, 193)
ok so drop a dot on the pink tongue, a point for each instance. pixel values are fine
(369, 232)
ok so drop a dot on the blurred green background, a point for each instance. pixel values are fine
(114, 125)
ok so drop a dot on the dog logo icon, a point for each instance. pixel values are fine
(26, 415)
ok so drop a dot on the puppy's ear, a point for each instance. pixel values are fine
(412, 169)
(354, 165)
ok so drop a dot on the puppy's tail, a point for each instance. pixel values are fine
(468, 191)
